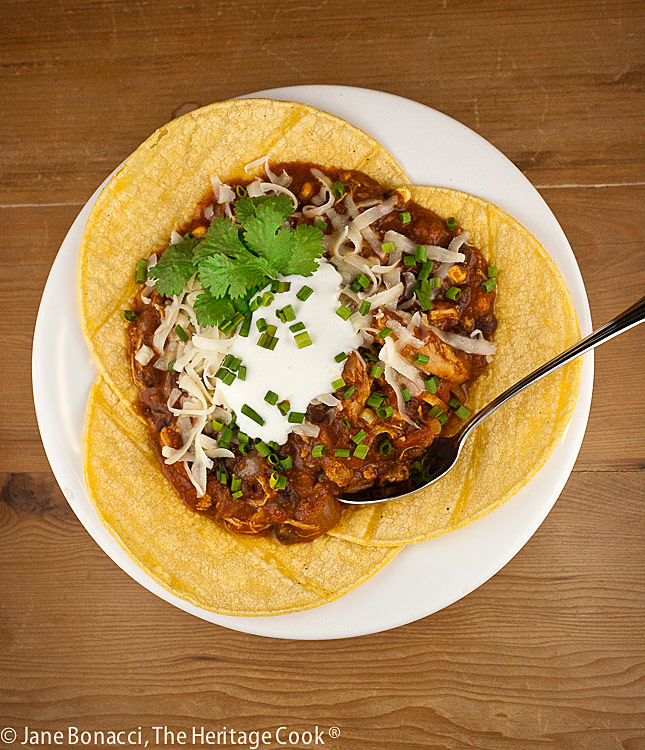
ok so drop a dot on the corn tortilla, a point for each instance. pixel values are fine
(537, 320)
(188, 554)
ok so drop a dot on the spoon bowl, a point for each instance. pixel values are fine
(443, 453)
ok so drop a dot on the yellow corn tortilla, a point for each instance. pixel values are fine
(192, 556)
(160, 185)
(537, 320)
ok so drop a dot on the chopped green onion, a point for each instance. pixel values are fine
(454, 403)
(236, 483)
(421, 254)
(226, 376)
(130, 315)
(305, 293)
(171, 365)
(462, 412)
(416, 467)
(273, 460)
(267, 299)
(265, 340)
(435, 412)
(371, 357)
(246, 326)
(237, 495)
(141, 274)
(217, 425)
(385, 447)
(361, 451)
(451, 223)
(272, 343)
(271, 330)
(338, 190)
(384, 412)
(229, 362)
(355, 286)
(492, 272)
(365, 307)
(242, 437)
(405, 217)
(318, 450)
(341, 452)
(261, 324)
(221, 474)
(322, 225)
(435, 283)
(343, 312)
(388, 247)
(489, 285)
(453, 293)
(359, 437)
(296, 417)
(277, 481)
(283, 286)
(252, 414)
(302, 339)
(241, 372)
(255, 304)
(285, 463)
(274, 445)
(425, 270)
(375, 399)
(409, 261)
(421, 359)
(424, 299)
(349, 392)
(346, 424)
(288, 314)
(376, 371)
(262, 448)
(283, 407)
(363, 280)
(241, 191)
(443, 418)
(341, 357)
(431, 384)
(297, 327)
(384, 333)
(405, 395)
(271, 397)
(336, 384)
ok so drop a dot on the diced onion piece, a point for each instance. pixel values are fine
(306, 429)
(144, 355)
(465, 343)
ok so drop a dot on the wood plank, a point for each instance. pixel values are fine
(558, 86)
(549, 650)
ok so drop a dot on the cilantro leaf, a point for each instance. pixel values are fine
(224, 276)
(307, 246)
(264, 241)
(222, 236)
(211, 311)
(273, 210)
(174, 268)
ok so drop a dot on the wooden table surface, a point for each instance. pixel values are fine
(548, 652)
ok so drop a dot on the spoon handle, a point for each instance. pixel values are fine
(623, 322)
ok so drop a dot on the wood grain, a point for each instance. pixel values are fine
(549, 651)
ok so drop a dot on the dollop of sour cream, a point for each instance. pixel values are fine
(296, 375)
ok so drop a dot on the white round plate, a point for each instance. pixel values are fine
(433, 149)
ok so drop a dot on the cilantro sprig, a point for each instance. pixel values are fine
(235, 259)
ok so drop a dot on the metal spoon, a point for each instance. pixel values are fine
(442, 454)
